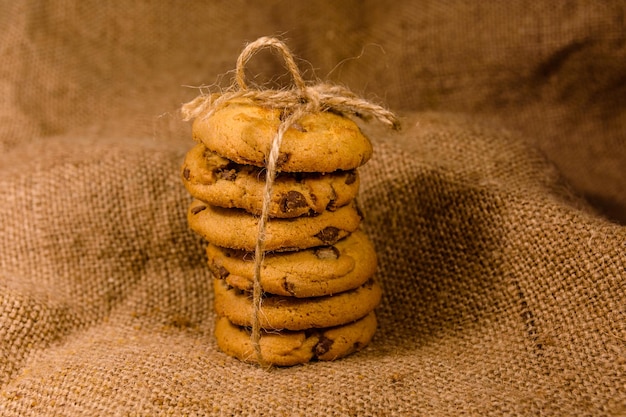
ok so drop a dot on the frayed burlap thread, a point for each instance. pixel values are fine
(297, 102)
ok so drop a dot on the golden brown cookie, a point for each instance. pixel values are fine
(223, 183)
(291, 313)
(238, 229)
(320, 142)
(292, 348)
(323, 270)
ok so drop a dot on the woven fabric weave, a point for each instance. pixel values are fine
(497, 212)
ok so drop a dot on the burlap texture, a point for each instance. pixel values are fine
(505, 289)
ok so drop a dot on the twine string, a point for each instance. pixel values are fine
(270, 176)
(295, 103)
(317, 97)
(259, 250)
(265, 42)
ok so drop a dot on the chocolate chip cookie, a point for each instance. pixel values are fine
(323, 270)
(291, 313)
(224, 183)
(242, 131)
(288, 348)
(237, 229)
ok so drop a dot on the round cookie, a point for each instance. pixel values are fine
(223, 183)
(294, 348)
(314, 272)
(320, 142)
(291, 313)
(237, 229)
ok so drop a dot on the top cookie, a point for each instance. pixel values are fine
(319, 142)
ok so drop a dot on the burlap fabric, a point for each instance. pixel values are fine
(497, 212)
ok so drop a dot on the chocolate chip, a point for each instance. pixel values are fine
(227, 174)
(328, 235)
(186, 174)
(326, 252)
(282, 159)
(323, 345)
(350, 177)
(291, 201)
(197, 209)
(289, 286)
(332, 202)
(218, 271)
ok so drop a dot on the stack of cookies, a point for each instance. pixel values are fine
(319, 294)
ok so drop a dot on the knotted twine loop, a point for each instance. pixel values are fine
(296, 102)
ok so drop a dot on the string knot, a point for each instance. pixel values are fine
(312, 99)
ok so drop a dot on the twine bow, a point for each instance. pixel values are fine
(313, 98)
(296, 102)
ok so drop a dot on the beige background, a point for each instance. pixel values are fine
(498, 212)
